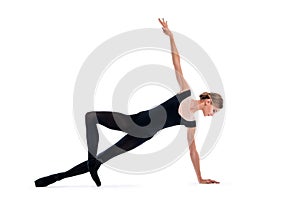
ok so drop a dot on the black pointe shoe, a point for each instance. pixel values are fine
(45, 181)
(94, 165)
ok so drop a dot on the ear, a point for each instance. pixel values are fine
(207, 102)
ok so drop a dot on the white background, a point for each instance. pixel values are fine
(255, 46)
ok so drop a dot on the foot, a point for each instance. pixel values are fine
(45, 181)
(93, 165)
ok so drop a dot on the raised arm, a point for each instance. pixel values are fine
(195, 156)
(175, 56)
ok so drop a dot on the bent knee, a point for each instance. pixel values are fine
(91, 115)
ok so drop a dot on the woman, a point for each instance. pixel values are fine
(142, 126)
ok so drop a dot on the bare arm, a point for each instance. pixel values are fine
(175, 57)
(195, 156)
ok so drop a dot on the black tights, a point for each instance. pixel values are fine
(111, 120)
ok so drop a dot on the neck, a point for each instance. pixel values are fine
(197, 105)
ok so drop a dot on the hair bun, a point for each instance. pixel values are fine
(205, 95)
(216, 98)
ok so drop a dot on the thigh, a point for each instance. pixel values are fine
(113, 120)
(129, 142)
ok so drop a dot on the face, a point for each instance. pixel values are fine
(209, 109)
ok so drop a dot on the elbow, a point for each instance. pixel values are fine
(193, 151)
(176, 64)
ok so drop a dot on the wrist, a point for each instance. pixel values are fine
(199, 179)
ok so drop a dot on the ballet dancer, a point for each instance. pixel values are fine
(142, 126)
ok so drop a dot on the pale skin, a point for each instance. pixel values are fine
(205, 105)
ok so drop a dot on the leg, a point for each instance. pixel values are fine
(112, 120)
(125, 144)
(106, 119)
(77, 170)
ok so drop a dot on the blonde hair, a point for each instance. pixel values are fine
(216, 98)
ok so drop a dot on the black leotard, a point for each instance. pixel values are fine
(146, 123)
(138, 126)
(166, 117)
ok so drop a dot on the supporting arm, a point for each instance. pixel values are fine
(195, 157)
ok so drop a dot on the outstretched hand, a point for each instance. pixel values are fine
(208, 181)
(165, 27)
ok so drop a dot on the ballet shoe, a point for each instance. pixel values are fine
(93, 166)
(45, 181)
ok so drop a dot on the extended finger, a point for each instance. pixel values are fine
(213, 181)
(209, 181)
(160, 21)
(163, 23)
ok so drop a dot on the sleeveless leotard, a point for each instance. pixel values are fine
(140, 127)
(164, 115)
